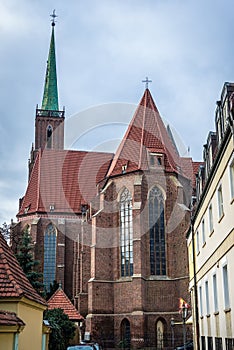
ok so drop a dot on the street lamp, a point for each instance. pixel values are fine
(184, 316)
(172, 332)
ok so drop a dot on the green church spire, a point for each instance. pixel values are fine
(50, 96)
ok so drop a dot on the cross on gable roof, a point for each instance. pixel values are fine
(146, 132)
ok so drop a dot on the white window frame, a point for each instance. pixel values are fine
(200, 301)
(211, 222)
(220, 201)
(231, 176)
(203, 232)
(226, 287)
(197, 242)
(207, 298)
(215, 293)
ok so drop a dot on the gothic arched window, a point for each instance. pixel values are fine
(157, 232)
(49, 136)
(126, 233)
(50, 243)
(125, 334)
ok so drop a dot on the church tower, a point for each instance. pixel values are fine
(49, 121)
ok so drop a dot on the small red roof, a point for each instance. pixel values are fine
(64, 180)
(146, 132)
(8, 318)
(60, 300)
(13, 282)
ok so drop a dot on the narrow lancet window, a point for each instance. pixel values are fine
(50, 243)
(49, 137)
(126, 234)
(157, 232)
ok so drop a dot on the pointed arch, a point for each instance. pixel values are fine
(157, 232)
(49, 136)
(50, 245)
(126, 233)
(160, 331)
(125, 334)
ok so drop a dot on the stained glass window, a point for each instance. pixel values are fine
(126, 233)
(50, 242)
(157, 232)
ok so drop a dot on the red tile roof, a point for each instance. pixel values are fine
(60, 300)
(146, 132)
(64, 179)
(8, 318)
(13, 282)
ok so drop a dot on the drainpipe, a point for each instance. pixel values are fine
(197, 332)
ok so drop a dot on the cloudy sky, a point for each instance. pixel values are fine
(105, 48)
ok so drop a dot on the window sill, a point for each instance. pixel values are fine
(204, 244)
(232, 201)
(216, 313)
(221, 218)
(208, 316)
(227, 310)
(211, 233)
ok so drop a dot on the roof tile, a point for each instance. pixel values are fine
(13, 282)
(60, 300)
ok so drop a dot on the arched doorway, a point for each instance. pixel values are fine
(125, 334)
(160, 332)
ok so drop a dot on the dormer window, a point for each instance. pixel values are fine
(155, 160)
(27, 209)
(52, 207)
(124, 168)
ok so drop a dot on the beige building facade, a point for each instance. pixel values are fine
(211, 237)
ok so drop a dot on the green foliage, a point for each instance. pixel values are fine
(53, 288)
(62, 329)
(26, 260)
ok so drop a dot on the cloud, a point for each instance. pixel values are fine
(104, 49)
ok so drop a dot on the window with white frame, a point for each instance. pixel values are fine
(207, 298)
(215, 293)
(126, 233)
(198, 242)
(203, 232)
(200, 301)
(211, 224)
(231, 170)
(220, 201)
(226, 287)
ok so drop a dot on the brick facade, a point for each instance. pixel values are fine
(88, 252)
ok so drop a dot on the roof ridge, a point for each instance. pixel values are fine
(143, 129)
(146, 131)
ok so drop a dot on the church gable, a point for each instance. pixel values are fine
(145, 136)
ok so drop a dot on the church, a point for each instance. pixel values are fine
(111, 228)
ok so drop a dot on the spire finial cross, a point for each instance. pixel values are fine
(146, 81)
(53, 18)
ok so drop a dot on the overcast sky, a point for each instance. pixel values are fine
(104, 49)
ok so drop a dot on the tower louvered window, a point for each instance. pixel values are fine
(50, 243)
(157, 233)
(49, 136)
(126, 234)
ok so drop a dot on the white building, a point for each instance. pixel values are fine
(211, 237)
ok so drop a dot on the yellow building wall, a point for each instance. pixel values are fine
(31, 337)
(31, 314)
(6, 341)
